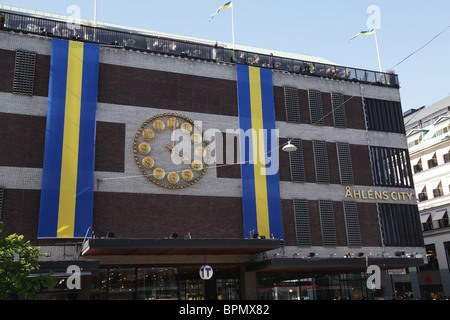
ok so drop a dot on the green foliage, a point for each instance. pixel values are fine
(17, 260)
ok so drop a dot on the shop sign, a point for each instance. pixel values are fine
(206, 272)
(394, 272)
(378, 195)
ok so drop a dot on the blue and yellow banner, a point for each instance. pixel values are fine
(363, 33)
(67, 192)
(259, 153)
(226, 5)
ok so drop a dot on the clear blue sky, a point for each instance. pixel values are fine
(319, 28)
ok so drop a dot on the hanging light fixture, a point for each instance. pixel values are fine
(289, 147)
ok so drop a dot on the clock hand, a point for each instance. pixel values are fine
(178, 153)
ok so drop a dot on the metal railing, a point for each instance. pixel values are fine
(156, 44)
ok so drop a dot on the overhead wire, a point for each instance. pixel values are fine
(324, 116)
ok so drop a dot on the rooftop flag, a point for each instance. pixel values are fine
(226, 5)
(366, 33)
(363, 33)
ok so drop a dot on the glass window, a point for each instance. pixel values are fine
(156, 283)
(122, 283)
(432, 259)
(99, 284)
(443, 223)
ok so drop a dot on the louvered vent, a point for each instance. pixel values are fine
(345, 163)
(302, 225)
(24, 70)
(327, 223)
(292, 105)
(315, 107)
(338, 105)
(296, 162)
(321, 161)
(352, 224)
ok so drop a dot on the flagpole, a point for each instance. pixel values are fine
(95, 13)
(232, 21)
(378, 49)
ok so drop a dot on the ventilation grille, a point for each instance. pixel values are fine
(292, 105)
(321, 161)
(338, 105)
(345, 163)
(352, 224)
(327, 223)
(24, 70)
(315, 107)
(302, 225)
(296, 162)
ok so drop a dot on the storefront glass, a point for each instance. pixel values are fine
(297, 286)
(134, 284)
(163, 283)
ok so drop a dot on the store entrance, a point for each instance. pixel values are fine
(224, 285)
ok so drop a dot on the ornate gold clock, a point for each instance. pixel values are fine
(171, 151)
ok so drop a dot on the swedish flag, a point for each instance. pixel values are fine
(226, 5)
(363, 33)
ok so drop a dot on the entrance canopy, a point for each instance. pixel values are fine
(118, 246)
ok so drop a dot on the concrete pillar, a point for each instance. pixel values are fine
(249, 290)
(415, 286)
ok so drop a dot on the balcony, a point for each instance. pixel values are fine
(31, 24)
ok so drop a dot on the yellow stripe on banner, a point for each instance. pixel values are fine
(69, 165)
(262, 209)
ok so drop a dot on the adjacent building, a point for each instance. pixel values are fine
(142, 158)
(429, 146)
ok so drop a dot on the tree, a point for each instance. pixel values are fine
(17, 260)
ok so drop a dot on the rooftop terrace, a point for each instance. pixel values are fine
(56, 26)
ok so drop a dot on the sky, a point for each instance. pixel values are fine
(320, 28)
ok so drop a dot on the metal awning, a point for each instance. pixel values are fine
(117, 246)
(296, 264)
(438, 214)
(424, 217)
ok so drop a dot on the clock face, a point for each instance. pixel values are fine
(171, 151)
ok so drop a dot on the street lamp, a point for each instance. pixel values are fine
(289, 147)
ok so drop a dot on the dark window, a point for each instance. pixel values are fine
(315, 107)
(418, 167)
(321, 161)
(296, 161)
(345, 163)
(338, 105)
(432, 162)
(384, 116)
(428, 224)
(327, 223)
(302, 225)
(438, 192)
(432, 258)
(443, 222)
(292, 104)
(447, 157)
(401, 225)
(24, 70)
(391, 167)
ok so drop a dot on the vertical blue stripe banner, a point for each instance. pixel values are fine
(67, 192)
(259, 153)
